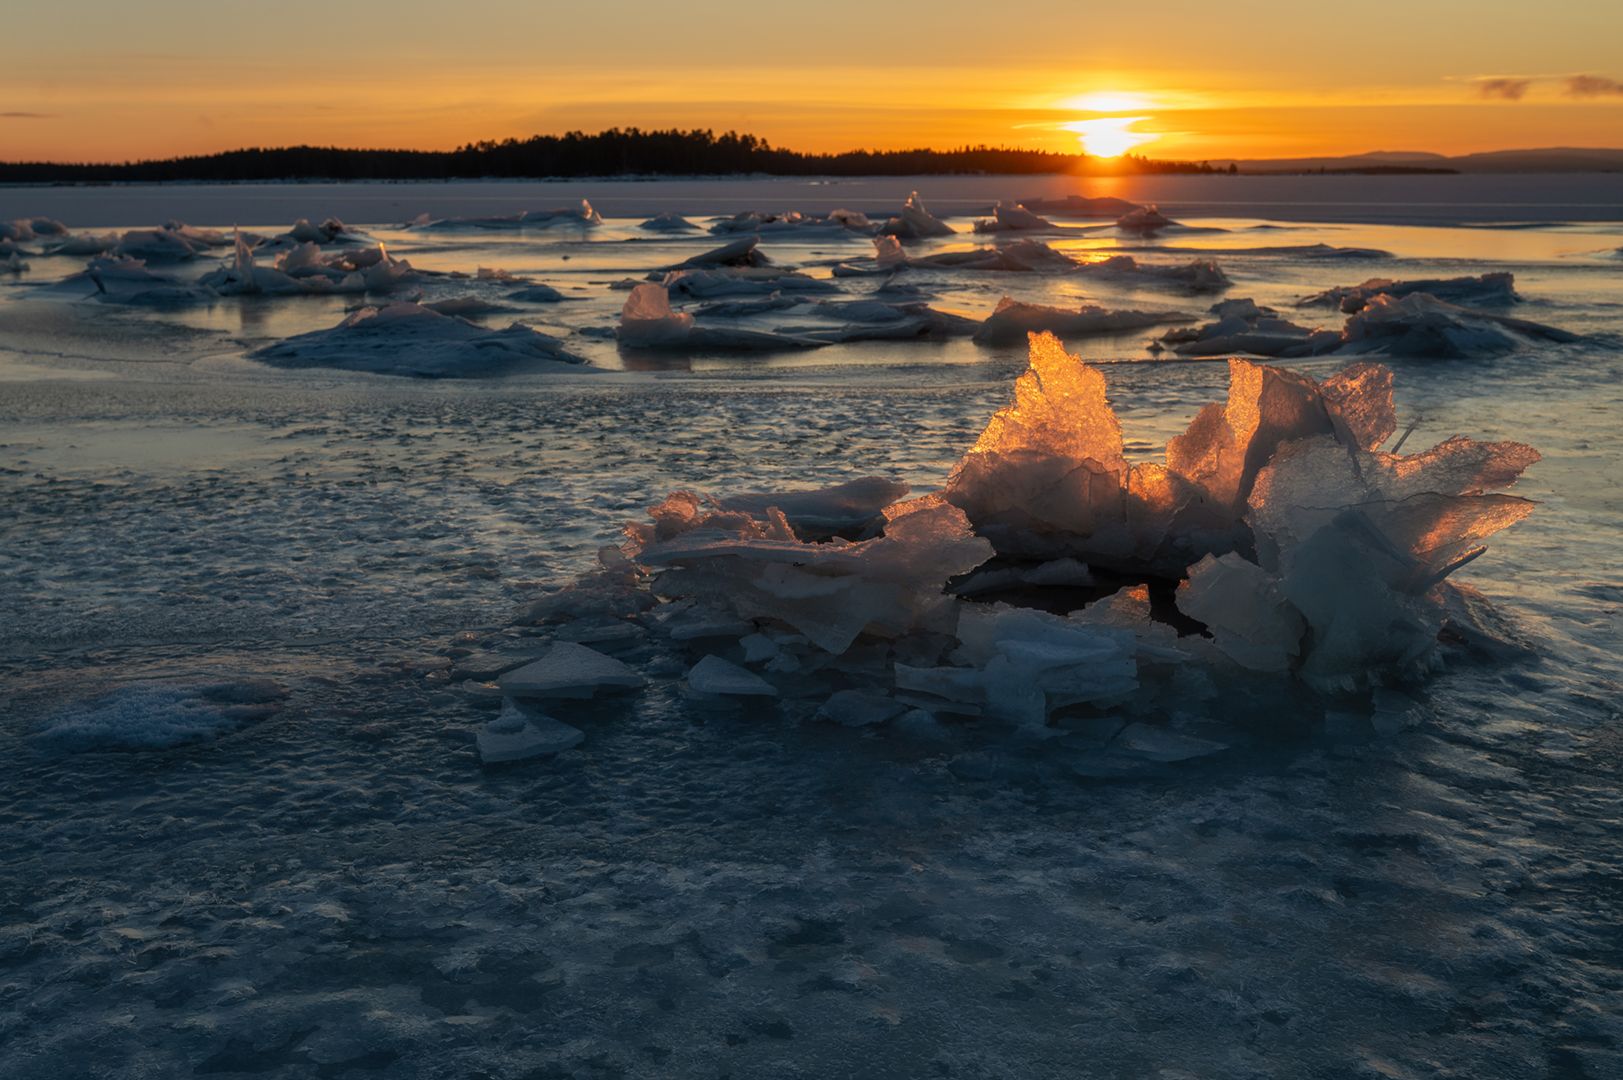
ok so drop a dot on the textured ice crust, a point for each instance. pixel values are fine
(1286, 548)
(159, 716)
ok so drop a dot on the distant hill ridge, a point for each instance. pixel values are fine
(617, 152)
(1548, 159)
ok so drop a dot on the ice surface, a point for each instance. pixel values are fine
(1013, 320)
(1104, 206)
(569, 670)
(410, 339)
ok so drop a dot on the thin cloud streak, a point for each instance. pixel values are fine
(1504, 89)
(1587, 86)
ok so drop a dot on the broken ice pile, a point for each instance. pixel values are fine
(1056, 588)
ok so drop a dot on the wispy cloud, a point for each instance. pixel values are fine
(1586, 86)
(25, 116)
(1504, 89)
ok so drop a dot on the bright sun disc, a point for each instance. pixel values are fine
(1109, 136)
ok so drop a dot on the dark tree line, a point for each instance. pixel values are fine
(615, 152)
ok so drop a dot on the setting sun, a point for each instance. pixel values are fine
(1109, 136)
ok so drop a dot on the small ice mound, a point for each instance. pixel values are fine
(158, 716)
(1082, 206)
(129, 281)
(1013, 321)
(1496, 289)
(173, 242)
(410, 339)
(13, 264)
(668, 223)
(875, 320)
(1022, 256)
(25, 229)
(518, 735)
(1015, 218)
(569, 670)
(754, 221)
(1243, 326)
(84, 244)
(582, 215)
(329, 231)
(740, 252)
(915, 222)
(348, 270)
(1196, 276)
(244, 277)
(1144, 220)
(1421, 325)
(647, 321)
(715, 281)
(823, 511)
(716, 677)
(537, 294)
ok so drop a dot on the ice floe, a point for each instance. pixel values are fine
(518, 734)
(1416, 325)
(410, 339)
(1013, 320)
(1196, 276)
(1493, 289)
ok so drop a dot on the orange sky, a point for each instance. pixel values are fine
(105, 80)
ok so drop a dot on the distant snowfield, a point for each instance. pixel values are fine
(1367, 199)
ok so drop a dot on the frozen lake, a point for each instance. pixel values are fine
(309, 874)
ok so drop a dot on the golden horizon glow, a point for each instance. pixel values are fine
(1109, 136)
(106, 81)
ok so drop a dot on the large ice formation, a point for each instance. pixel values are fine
(1284, 546)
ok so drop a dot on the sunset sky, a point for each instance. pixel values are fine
(96, 80)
